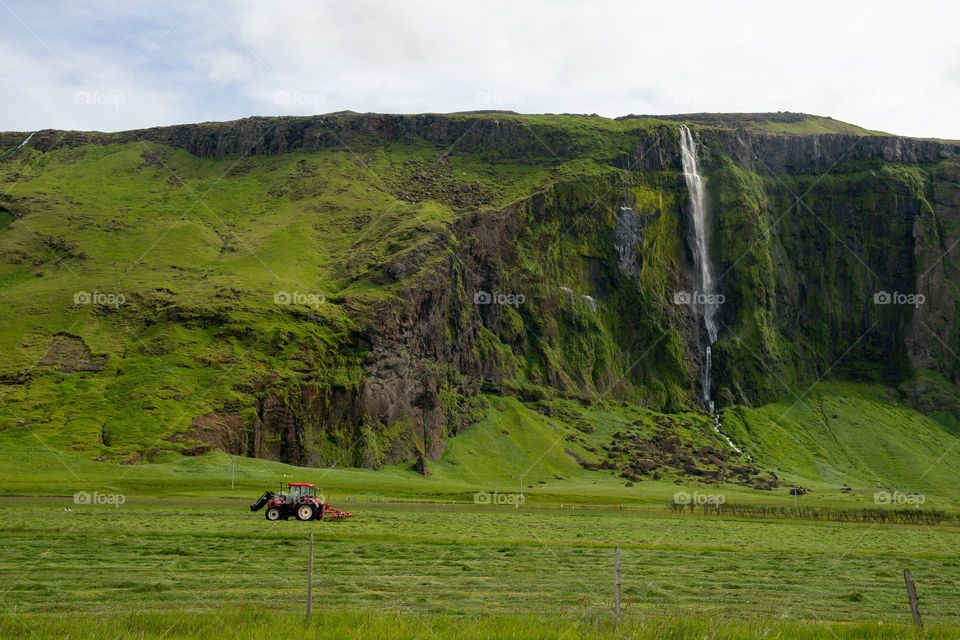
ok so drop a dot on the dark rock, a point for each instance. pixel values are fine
(420, 466)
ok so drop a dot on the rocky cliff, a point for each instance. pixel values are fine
(837, 255)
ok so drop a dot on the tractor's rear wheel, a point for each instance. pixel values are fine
(305, 512)
(272, 514)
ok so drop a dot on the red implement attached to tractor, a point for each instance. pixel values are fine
(301, 500)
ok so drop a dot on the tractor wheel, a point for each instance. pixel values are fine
(272, 514)
(305, 512)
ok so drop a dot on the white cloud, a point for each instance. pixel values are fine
(39, 95)
(225, 66)
(884, 66)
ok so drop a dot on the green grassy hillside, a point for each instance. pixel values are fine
(781, 122)
(839, 435)
(197, 250)
(310, 296)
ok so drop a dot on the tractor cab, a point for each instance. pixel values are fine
(297, 490)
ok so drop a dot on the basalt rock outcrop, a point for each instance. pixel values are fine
(837, 254)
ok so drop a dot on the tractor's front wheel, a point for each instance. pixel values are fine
(272, 514)
(305, 512)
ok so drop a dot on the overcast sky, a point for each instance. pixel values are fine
(120, 64)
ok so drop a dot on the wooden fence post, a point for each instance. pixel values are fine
(616, 582)
(914, 601)
(310, 579)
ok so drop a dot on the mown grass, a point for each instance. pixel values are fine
(195, 554)
(347, 623)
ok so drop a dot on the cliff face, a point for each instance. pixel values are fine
(838, 256)
(569, 289)
(654, 145)
(531, 300)
(271, 136)
(851, 274)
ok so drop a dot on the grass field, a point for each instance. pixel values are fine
(355, 624)
(199, 554)
(182, 551)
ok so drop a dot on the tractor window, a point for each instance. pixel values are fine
(299, 492)
(296, 492)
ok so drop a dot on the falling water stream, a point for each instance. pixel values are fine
(705, 298)
(25, 141)
(19, 146)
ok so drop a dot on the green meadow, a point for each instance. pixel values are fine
(181, 554)
(546, 568)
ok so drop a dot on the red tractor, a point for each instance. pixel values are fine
(301, 500)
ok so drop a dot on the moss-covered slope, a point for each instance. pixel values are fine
(337, 289)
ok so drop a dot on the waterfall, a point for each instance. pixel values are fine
(19, 146)
(706, 286)
(704, 299)
(704, 296)
(705, 377)
(25, 141)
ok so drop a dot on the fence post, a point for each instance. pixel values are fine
(310, 579)
(616, 582)
(914, 601)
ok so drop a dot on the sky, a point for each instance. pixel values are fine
(119, 64)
